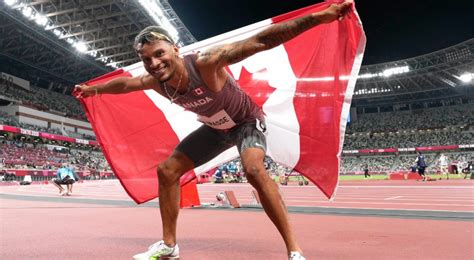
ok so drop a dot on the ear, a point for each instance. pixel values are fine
(176, 50)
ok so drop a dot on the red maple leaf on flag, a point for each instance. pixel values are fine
(258, 89)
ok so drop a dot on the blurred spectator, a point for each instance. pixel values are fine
(65, 176)
(421, 164)
(366, 171)
(443, 165)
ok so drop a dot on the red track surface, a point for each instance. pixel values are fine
(63, 230)
(452, 195)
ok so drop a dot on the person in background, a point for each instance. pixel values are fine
(366, 171)
(443, 165)
(65, 176)
(421, 164)
(218, 176)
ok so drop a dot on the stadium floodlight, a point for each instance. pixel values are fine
(81, 47)
(10, 2)
(367, 76)
(41, 19)
(70, 41)
(466, 77)
(27, 12)
(395, 71)
(154, 10)
(386, 73)
(57, 32)
(112, 64)
(32, 14)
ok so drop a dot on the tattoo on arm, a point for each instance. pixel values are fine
(280, 33)
(225, 56)
(267, 39)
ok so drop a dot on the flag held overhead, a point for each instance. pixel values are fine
(304, 87)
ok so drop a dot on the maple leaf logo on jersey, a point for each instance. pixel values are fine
(198, 91)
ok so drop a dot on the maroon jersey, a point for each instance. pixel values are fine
(220, 110)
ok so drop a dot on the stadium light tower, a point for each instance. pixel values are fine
(394, 71)
(81, 47)
(10, 2)
(154, 10)
(466, 77)
(48, 24)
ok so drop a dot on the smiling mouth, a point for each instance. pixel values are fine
(160, 71)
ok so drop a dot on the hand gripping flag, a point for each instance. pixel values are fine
(304, 87)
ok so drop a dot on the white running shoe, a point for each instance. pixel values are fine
(296, 256)
(159, 251)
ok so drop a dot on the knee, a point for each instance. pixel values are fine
(166, 175)
(254, 173)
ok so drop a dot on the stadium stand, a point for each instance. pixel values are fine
(19, 152)
(420, 119)
(408, 138)
(385, 164)
(384, 133)
(441, 126)
(44, 100)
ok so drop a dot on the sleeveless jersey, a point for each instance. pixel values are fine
(421, 161)
(220, 110)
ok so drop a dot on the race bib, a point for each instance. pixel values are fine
(220, 120)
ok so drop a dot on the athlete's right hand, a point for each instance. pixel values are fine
(336, 12)
(83, 91)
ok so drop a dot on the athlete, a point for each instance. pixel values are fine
(421, 164)
(443, 165)
(200, 83)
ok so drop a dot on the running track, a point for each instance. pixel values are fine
(453, 195)
(367, 219)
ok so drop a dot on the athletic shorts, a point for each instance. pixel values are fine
(63, 182)
(421, 170)
(205, 143)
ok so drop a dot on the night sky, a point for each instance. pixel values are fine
(395, 29)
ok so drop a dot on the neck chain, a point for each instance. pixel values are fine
(173, 97)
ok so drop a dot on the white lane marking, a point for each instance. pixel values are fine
(393, 198)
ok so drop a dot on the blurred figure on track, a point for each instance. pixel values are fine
(219, 175)
(199, 82)
(443, 165)
(65, 176)
(366, 171)
(421, 164)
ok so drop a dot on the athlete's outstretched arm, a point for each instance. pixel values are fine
(117, 86)
(271, 37)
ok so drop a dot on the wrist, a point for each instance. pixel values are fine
(93, 90)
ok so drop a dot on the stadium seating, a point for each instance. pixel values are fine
(449, 125)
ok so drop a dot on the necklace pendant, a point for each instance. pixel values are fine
(173, 97)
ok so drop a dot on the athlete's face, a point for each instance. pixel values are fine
(160, 59)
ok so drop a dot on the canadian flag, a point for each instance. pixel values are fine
(304, 87)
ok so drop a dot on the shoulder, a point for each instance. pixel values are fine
(210, 70)
(216, 56)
